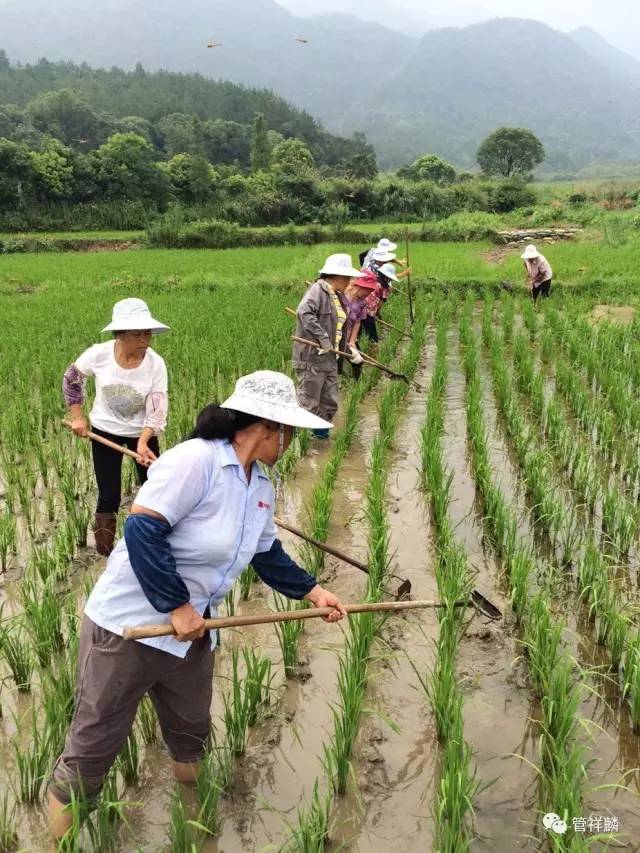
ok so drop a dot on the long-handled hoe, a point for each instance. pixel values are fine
(476, 600)
(405, 586)
(394, 374)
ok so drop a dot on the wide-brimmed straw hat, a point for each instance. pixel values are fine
(383, 256)
(368, 280)
(388, 271)
(530, 252)
(386, 245)
(340, 264)
(271, 395)
(133, 314)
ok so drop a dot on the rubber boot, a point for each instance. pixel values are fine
(104, 529)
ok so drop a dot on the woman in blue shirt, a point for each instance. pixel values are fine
(205, 513)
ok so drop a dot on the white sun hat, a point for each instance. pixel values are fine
(385, 245)
(271, 395)
(530, 252)
(388, 271)
(340, 264)
(133, 314)
(383, 256)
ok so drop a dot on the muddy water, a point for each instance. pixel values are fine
(396, 769)
(283, 763)
(498, 706)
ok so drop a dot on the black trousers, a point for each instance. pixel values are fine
(107, 464)
(370, 329)
(543, 289)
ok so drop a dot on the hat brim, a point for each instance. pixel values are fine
(154, 326)
(389, 256)
(294, 416)
(350, 272)
(528, 256)
(390, 277)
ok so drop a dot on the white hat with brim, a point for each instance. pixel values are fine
(388, 271)
(132, 315)
(382, 256)
(272, 396)
(385, 245)
(340, 264)
(530, 252)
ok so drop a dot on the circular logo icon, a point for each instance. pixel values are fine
(549, 819)
(559, 827)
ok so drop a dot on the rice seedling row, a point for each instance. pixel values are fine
(458, 784)
(562, 771)
(314, 819)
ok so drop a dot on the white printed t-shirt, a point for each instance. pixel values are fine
(121, 394)
(219, 522)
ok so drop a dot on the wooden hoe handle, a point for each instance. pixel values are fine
(146, 631)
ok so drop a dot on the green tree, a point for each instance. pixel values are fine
(67, 117)
(362, 165)
(226, 142)
(53, 169)
(429, 167)
(180, 134)
(260, 145)
(125, 169)
(16, 173)
(293, 159)
(137, 124)
(510, 151)
(192, 178)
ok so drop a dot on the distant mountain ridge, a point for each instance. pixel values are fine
(440, 93)
(610, 56)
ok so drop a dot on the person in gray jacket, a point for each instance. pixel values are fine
(320, 318)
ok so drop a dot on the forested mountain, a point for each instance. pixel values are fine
(173, 111)
(441, 93)
(460, 84)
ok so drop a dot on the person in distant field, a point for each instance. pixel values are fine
(384, 247)
(130, 406)
(384, 275)
(539, 272)
(383, 253)
(354, 302)
(320, 319)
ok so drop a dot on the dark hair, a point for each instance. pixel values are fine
(216, 422)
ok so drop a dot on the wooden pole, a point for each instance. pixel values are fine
(322, 545)
(409, 288)
(146, 631)
(107, 443)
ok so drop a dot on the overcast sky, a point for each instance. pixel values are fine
(616, 20)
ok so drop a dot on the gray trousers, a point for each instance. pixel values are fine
(318, 390)
(113, 676)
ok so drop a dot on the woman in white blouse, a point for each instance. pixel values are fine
(130, 405)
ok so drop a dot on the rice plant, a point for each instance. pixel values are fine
(213, 779)
(631, 679)
(43, 617)
(8, 824)
(182, 831)
(246, 696)
(7, 537)
(128, 761)
(147, 720)
(310, 833)
(33, 761)
(289, 634)
(16, 650)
